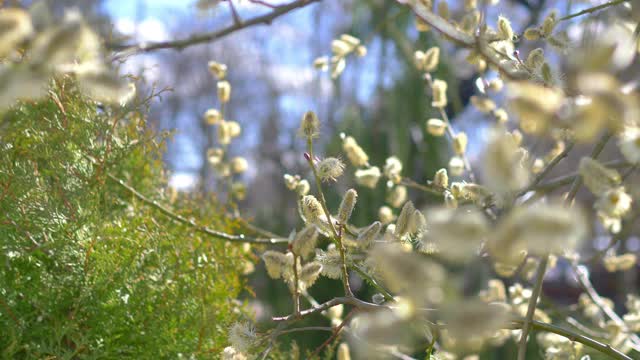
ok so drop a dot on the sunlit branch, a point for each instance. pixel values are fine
(478, 43)
(211, 36)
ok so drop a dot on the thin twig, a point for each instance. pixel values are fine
(593, 9)
(585, 340)
(336, 233)
(333, 336)
(200, 228)
(547, 169)
(531, 309)
(582, 275)
(360, 304)
(212, 36)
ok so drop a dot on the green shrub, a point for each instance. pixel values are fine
(88, 270)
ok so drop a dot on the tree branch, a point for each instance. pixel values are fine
(211, 36)
(593, 9)
(347, 300)
(203, 229)
(603, 348)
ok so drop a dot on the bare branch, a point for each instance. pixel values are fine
(203, 229)
(593, 9)
(211, 36)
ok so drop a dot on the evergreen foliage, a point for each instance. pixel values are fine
(86, 269)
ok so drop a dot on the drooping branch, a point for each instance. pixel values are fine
(191, 223)
(208, 37)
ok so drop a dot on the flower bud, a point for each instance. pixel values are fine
(532, 34)
(482, 103)
(456, 166)
(598, 178)
(305, 241)
(330, 168)
(214, 155)
(354, 152)
(436, 127)
(368, 177)
(309, 274)
(385, 214)
(535, 59)
(217, 69)
(441, 179)
(309, 126)
(276, 263)
(343, 352)
(239, 165)
(321, 63)
(439, 90)
(397, 196)
(224, 91)
(311, 209)
(212, 116)
(291, 181)
(402, 224)
(347, 205)
(460, 143)
(369, 234)
(505, 31)
(431, 59)
(501, 115)
(303, 187)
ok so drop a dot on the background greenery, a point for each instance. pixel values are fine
(86, 269)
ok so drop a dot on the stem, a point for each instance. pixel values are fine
(337, 234)
(333, 336)
(542, 268)
(353, 301)
(296, 288)
(451, 133)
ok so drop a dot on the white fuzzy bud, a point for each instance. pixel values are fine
(436, 127)
(224, 91)
(441, 179)
(305, 241)
(439, 90)
(347, 205)
(311, 209)
(217, 69)
(239, 165)
(276, 263)
(330, 168)
(397, 196)
(212, 116)
(368, 177)
(385, 214)
(354, 152)
(309, 126)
